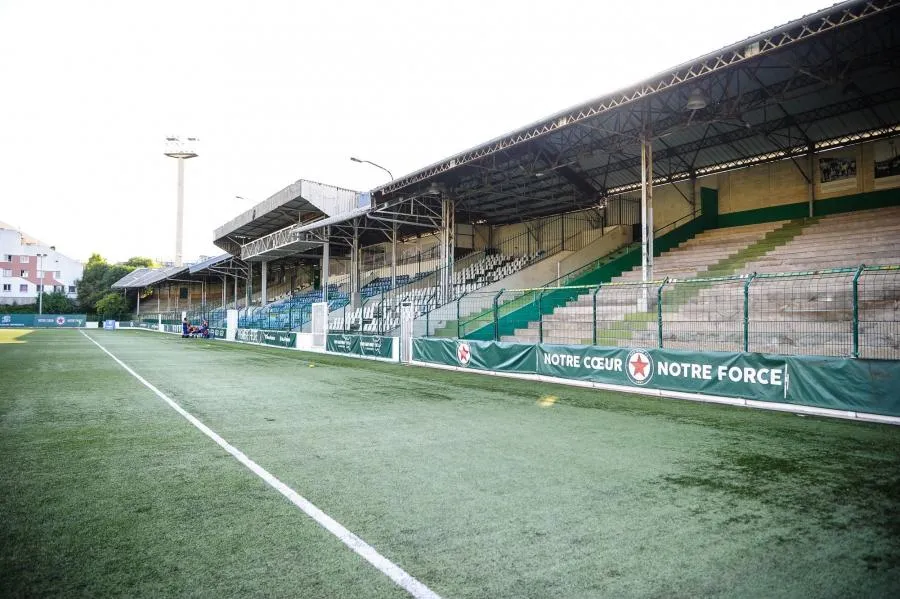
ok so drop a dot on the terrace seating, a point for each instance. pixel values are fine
(692, 258)
(808, 314)
(489, 269)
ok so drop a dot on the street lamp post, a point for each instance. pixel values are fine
(355, 159)
(40, 274)
(182, 150)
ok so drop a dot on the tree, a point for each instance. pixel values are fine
(112, 306)
(99, 276)
(139, 262)
(58, 303)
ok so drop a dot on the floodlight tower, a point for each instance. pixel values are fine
(182, 149)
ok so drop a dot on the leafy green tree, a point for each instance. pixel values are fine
(58, 303)
(112, 305)
(99, 276)
(90, 287)
(140, 262)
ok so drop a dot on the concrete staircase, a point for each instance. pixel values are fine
(620, 302)
(810, 314)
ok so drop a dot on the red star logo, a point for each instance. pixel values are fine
(638, 366)
(463, 353)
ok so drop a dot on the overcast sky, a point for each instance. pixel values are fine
(282, 90)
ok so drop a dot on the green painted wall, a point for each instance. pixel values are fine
(860, 201)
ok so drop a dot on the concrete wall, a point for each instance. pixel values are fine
(783, 182)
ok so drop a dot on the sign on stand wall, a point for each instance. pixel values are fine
(836, 383)
(361, 345)
(48, 321)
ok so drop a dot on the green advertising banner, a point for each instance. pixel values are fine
(748, 376)
(343, 344)
(60, 320)
(49, 321)
(275, 338)
(278, 338)
(845, 384)
(360, 345)
(8, 321)
(373, 345)
(836, 383)
(480, 355)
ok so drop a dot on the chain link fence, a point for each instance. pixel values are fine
(837, 312)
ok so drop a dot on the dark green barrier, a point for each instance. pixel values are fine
(845, 384)
(344, 344)
(278, 339)
(373, 345)
(55, 321)
(49, 321)
(748, 376)
(9, 321)
(480, 355)
(836, 383)
(361, 345)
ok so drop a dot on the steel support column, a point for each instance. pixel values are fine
(448, 238)
(811, 194)
(393, 255)
(326, 258)
(646, 214)
(354, 267)
(264, 283)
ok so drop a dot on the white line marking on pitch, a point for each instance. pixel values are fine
(384, 565)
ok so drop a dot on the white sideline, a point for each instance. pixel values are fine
(366, 551)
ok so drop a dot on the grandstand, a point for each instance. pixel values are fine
(665, 194)
(726, 232)
(810, 316)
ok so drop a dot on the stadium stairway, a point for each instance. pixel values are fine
(705, 254)
(615, 238)
(811, 314)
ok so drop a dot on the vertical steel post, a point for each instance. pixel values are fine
(459, 315)
(594, 319)
(659, 320)
(540, 316)
(747, 311)
(646, 215)
(179, 216)
(497, 315)
(854, 350)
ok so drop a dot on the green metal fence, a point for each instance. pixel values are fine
(837, 312)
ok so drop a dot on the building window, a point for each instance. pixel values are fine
(57, 288)
(71, 288)
(24, 259)
(23, 288)
(7, 286)
(56, 274)
(23, 273)
(7, 272)
(7, 258)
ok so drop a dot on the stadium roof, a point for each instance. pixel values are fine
(209, 262)
(825, 80)
(144, 277)
(299, 202)
(223, 264)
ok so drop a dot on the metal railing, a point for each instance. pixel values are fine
(834, 312)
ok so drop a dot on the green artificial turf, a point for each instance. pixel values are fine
(478, 486)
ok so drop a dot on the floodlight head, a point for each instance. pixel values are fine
(696, 101)
(355, 159)
(178, 147)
